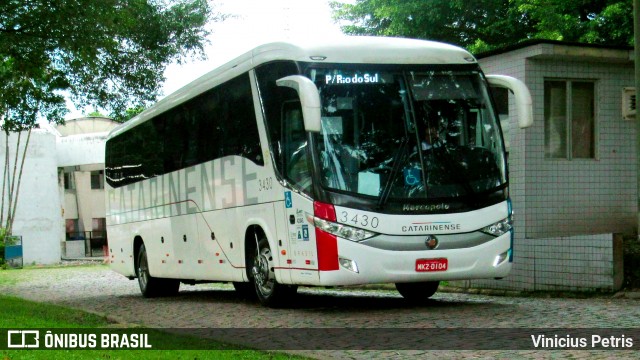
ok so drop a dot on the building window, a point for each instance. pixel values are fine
(569, 119)
(97, 179)
(69, 181)
(99, 227)
(72, 229)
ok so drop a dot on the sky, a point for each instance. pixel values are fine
(254, 22)
(249, 23)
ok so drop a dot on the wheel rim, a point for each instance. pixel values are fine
(262, 270)
(143, 270)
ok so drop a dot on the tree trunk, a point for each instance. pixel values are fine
(11, 181)
(15, 198)
(5, 174)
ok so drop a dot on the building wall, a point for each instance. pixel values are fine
(81, 150)
(583, 196)
(513, 64)
(74, 150)
(38, 215)
(567, 211)
(86, 125)
(83, 202)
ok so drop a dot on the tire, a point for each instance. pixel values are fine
(151, 286)
(269, 292)
(417, 292)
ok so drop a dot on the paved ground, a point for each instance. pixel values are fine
(215, 306)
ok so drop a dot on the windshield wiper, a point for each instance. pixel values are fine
(397, 163)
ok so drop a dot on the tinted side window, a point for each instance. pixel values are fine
(220, 122)
(135, 155)
(237, 120)
(273, 98)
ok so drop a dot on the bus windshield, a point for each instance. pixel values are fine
(407, 134)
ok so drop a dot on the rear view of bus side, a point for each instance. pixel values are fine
(362, 160)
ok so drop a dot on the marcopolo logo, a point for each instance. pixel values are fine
(23, 339)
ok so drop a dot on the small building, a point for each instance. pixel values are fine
(80, 159)
(573, 174)
(61, 211)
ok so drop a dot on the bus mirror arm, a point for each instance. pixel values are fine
(309, 99)
(522, 95)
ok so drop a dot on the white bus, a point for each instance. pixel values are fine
(356, 161)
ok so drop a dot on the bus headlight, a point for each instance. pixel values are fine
(499, 228)
(341, 230)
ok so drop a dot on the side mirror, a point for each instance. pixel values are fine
(309, 99)
(523, 97)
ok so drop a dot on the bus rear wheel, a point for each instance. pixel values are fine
(268, 290)
(151, 286)
(419, 291)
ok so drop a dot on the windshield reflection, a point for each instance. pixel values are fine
(399, 135)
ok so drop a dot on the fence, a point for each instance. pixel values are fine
(94, 241)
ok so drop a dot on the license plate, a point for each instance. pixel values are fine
(429, 265)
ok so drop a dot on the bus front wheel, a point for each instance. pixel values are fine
(151, 286)
(419, 291)
(268, 290)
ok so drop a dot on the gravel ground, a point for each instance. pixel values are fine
(216, 306)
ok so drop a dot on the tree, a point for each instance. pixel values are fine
(589, 21)
(109, 54)
(488, 24)
(129, 113)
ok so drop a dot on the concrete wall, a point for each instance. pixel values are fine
(81, 150)
(76, 150)
(513, 64)
(86, 125)
(39, 212)
(567, 211)
(583, 196)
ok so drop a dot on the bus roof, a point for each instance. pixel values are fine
(345, 49)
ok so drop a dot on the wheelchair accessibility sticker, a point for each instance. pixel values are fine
(288, 203)
(411, 176)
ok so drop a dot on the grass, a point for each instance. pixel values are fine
(16, 313)
(13, 276)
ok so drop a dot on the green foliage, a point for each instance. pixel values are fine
(128, 114)
(5, 241)
(95, 113)
(110, 53)
(19, 311)
(3, 235)
(488, 24)
(589, 21)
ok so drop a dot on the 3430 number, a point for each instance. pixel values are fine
(359, 220)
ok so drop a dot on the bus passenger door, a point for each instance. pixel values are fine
(283, 272)
(297, 201)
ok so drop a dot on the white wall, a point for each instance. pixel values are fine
(39, 213)
(76, 150)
